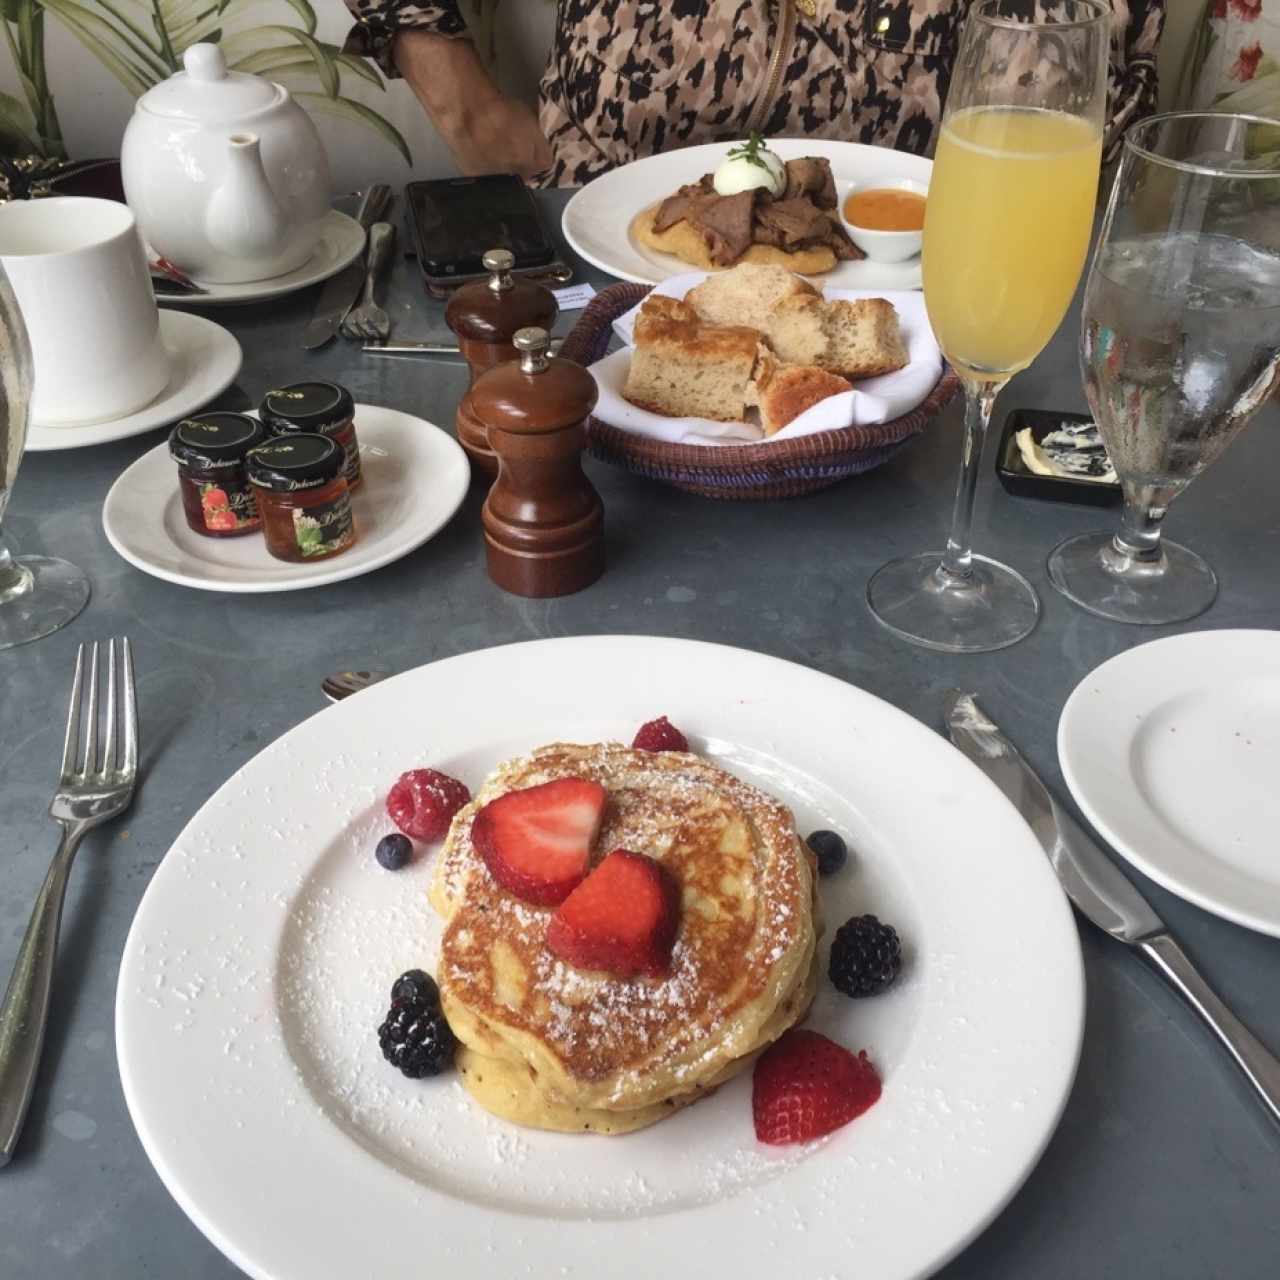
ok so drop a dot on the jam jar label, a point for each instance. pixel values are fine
(324, 529)
(227, 507)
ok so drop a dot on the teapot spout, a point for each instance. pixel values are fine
(244, 220)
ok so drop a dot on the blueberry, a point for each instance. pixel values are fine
(830, 851)
(394, 851)
(416, 985)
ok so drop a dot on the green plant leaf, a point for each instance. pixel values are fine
(12, 9)
(16, 124)
(362, 68)
(324, 63)
(358, 113)
(98, 37)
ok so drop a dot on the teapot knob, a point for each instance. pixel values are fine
(204, 62)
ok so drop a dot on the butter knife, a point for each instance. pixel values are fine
(1101, 892)
(341, 290)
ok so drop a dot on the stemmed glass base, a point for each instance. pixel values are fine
(990, 608)
(1094, 571)
(37, 596)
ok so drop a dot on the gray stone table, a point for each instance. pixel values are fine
(1163, 1166)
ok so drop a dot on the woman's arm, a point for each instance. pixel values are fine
(425, 41)
(486, 131)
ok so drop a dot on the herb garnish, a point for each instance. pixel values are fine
(750, 152)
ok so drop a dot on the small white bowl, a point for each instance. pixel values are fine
(885, 246)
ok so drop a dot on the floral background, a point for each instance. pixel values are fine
(71, 71)
(1235, 64)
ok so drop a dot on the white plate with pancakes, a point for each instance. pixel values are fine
(260, 961)
(598, 221)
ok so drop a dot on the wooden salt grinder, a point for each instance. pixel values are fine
(485, 315)
(543, 520)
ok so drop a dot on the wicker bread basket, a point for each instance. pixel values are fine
(771, 469)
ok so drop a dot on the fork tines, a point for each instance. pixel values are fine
(119, 758)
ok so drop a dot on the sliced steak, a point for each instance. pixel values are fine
(791, 223)
(681, 205)
(725, 223)
(811, 176)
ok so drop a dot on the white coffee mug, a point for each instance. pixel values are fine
(81, 280)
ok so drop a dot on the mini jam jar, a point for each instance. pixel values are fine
(210, 451)
(303, 497)
(316, 408)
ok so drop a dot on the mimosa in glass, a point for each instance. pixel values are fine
(1006, 232)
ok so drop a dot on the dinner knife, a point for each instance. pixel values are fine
(341, 290)
(1101, 891)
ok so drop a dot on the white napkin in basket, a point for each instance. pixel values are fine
(873, 400)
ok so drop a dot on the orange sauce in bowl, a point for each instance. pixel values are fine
(885, 209)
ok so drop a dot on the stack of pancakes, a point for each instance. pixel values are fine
(545, 1044)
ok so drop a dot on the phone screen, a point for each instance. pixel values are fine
(458, 220)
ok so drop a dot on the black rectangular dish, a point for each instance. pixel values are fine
(1022, 482)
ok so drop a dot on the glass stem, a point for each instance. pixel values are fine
(14, 579)
(979, 400)
(1145, 507)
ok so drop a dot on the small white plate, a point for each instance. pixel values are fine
(260, 960)
(341, 242)
(203, 362)
(1172, 751)
(415, 477)
(597, 220)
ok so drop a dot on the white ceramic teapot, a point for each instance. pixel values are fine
(225, 173)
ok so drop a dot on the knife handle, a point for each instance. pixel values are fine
(1260, 1066)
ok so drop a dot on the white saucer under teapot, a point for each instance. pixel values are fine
(225, 173)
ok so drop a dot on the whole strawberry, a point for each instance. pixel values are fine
(659, 735)
(423, 801)
(806, 1086)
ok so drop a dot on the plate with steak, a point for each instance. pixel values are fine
(719, 205)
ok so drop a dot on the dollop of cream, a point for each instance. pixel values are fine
(738, 173)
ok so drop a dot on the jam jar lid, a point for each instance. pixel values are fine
(214, 441)
(289, 463)
(306, 406)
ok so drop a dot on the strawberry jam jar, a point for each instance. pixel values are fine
(210, 451)
(316, 408)
(303, 497)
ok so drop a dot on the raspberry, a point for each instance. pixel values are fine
(660, 735)
(423, 801)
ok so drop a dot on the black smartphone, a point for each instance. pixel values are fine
(455, 221)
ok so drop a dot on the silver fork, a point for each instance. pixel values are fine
(89, 792)
(369, 321)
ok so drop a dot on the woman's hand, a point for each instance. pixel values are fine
(487, 131)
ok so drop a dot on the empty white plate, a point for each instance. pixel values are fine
(1172, 750)
(203, 362)
(415, 477)
(341, 241)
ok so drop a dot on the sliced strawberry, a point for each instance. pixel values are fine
(806, 1085)
(622, 918)
(537, 842)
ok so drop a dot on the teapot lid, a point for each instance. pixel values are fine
(207, 92)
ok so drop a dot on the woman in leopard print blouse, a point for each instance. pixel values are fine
(627, 78)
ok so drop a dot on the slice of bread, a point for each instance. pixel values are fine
(747, 294)
(782, 392)
(685, 241)
(855, 339)
(684, 369)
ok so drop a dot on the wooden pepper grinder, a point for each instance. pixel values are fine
(543, 520)
(485, 315)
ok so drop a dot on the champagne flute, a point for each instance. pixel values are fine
(1006, 232)
(1180, 345)
(37, 594)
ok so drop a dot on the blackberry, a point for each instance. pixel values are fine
(394, 851)
(416, 985)
(865, 956)
(416, 1039)
(830, 851)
